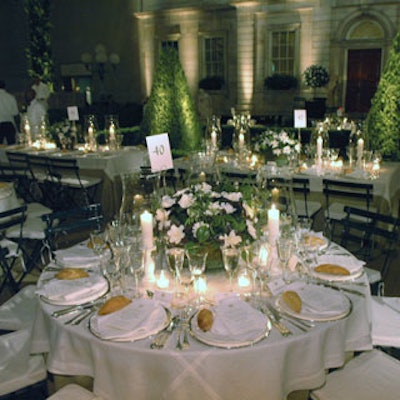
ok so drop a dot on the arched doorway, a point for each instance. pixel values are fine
(364, 62)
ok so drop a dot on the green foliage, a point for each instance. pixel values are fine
(171, 107)
(280, 82)
(316, 76)
(383, 120)
(39, 55)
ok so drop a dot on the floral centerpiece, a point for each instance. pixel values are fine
(280, 143)
(204, 217)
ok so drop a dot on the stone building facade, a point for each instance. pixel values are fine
(247, 41)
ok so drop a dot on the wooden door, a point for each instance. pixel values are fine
(363, 73)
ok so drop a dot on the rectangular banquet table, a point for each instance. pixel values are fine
(108, 165)
(270, 369)
(386, 187)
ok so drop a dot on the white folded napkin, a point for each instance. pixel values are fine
(235, 319)
(78, 255)
(386, 321)
(318, 302)
(61, 290)
(351, 263)
(139, 319)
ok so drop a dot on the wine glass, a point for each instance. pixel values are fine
(285, 248)
(197, 261)
(175, 260)
(230, 258)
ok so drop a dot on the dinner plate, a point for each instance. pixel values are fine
(336, 278)
(63, 292)
(138, 320)
(319, 303)
(236, 324)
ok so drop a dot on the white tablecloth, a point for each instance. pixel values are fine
(270, 369)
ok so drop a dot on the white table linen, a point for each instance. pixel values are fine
(270, 369)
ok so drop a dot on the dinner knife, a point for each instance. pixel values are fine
(341, 289)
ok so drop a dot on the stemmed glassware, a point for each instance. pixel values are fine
(285, 249)
(175, 260)
(230, 258)
(261, 264)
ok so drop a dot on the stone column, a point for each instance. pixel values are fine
(245, 56)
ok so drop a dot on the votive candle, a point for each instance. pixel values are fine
(163, 281)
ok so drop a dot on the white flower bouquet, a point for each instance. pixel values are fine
(280, 142)
(201, 216)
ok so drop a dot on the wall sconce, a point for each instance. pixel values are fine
(97, 63)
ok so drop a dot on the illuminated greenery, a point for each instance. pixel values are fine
(170, 107)
(39, 55)
(383, 120)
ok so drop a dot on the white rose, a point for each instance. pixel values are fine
(167, 201)
(175, 234)
(186, 200)
(231, 240)
(229, 209)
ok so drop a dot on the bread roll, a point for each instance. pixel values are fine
(71, 273)
(331, 269)
(313, 241)
(293, 300)
(114, 304)
(205, 319)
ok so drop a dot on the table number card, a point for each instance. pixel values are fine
(73, 113)
(159, 151)
(300, 118)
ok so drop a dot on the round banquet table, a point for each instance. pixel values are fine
(272, 368)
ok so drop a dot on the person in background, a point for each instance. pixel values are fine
(35, 111)
(9, 114)
(42, 91)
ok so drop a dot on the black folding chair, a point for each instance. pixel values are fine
(72, 187)
(338, 194)
(12, 249)
(371, 235)
(305, 207)
(67, 227)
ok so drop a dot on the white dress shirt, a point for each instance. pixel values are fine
(8, 107)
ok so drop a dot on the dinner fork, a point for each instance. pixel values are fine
(276, 323)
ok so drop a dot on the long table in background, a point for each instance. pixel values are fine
(108, 165)
(386, 188)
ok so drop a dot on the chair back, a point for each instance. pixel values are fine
(347, 192)
(69, 226)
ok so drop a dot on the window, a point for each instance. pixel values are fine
(283, 52)
(165, 44)
(214, 57)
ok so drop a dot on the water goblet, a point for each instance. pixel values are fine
(230, 258)
(175, 260)
(197, 260)
(285, 248)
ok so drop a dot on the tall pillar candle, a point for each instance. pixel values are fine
(146, 223)
(320, 142)
(273, 224)
(360, 148)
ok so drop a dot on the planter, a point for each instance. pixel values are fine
(316, 108)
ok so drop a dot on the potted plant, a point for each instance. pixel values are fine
(316, 76)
